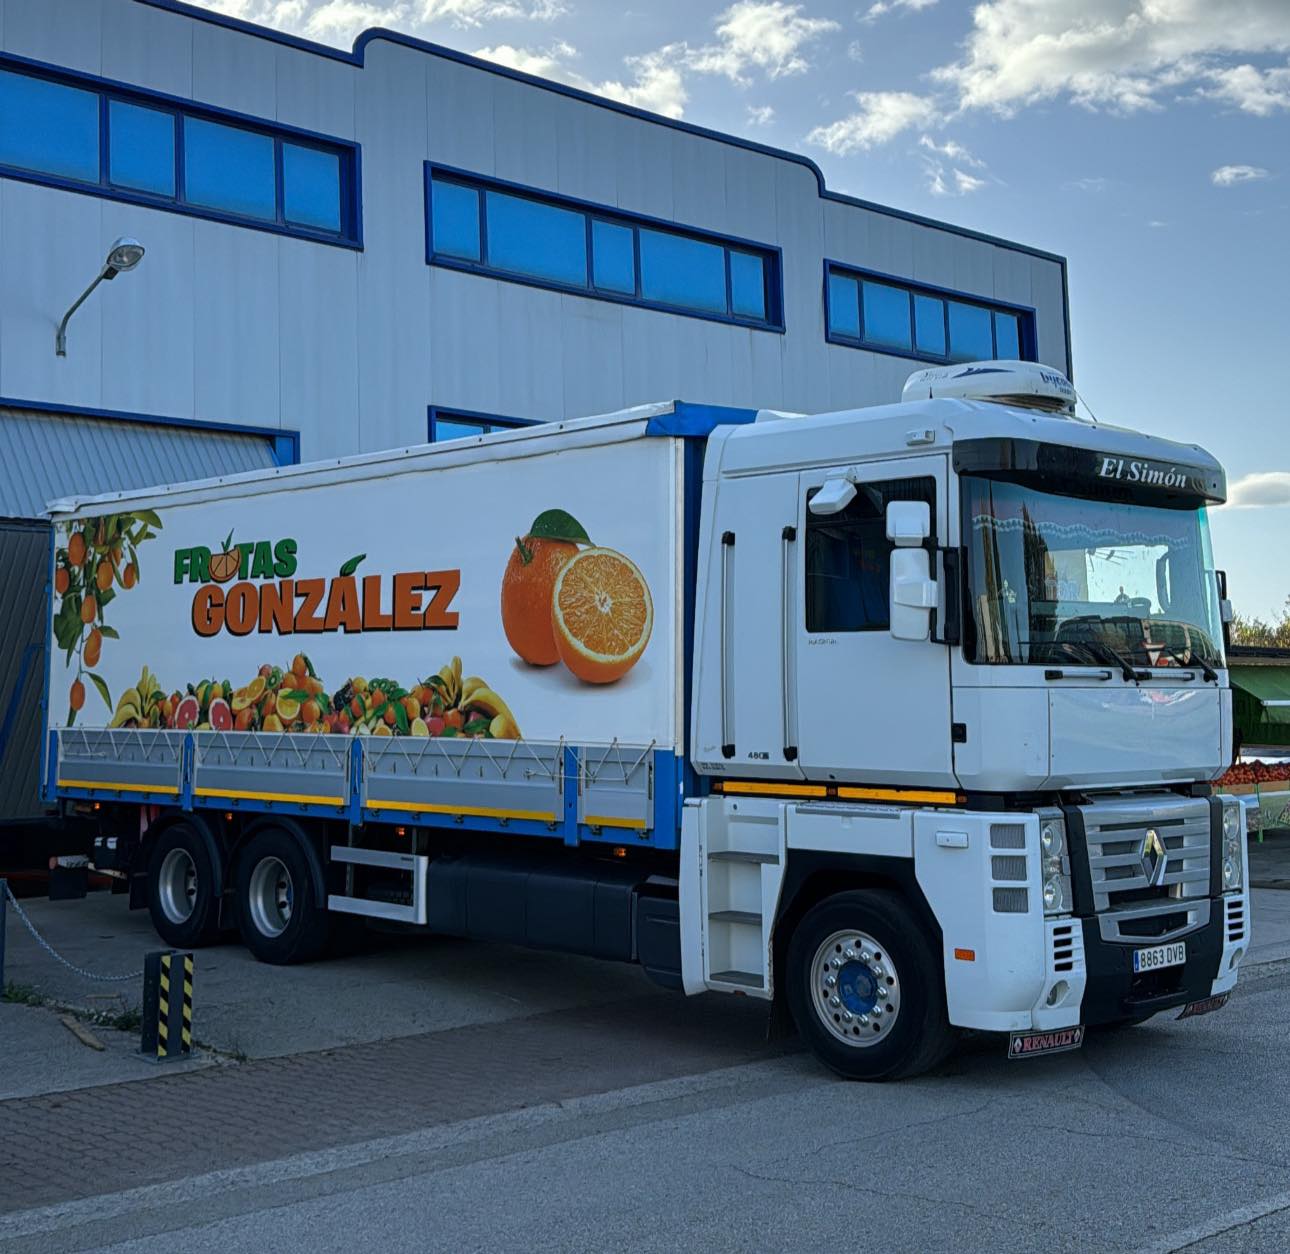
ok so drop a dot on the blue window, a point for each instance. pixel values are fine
(676, 270)
(48, 127)
(747, 284)
(87, 134)
(929, 325)
(456, 424)
(971, 338)
(228, 168)
(613, 252)
(455, 220)
(525, 236)
(141, 148)
(311, 186)
(1007, 336)
(530, 237)
(844, 306)
(886, 315)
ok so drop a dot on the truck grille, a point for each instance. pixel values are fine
(1144, 894)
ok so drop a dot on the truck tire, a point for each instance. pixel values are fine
(182, 896)
(279, 915)
(866, 988)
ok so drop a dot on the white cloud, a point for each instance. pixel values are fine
(1263, 488)
(657, 84)
(476, 12)
(951, 150)
(1230, 175)
(1122, 54)
(877, 9)
(965, 182)
(1090, 183)
(766, 34)
(881, 116)
(760, 115)
(1261, 92)
(339, 21)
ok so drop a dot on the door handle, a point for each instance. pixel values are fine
(787, 687)
(727, 548)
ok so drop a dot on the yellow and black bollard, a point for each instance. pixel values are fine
(167, 1005)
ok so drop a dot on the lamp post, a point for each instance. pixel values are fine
(125, 254)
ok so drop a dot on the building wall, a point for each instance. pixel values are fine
(229, 324)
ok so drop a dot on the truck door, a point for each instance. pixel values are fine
(871, 709)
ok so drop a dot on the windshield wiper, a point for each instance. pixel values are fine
(1196, 660)
(1103, 652)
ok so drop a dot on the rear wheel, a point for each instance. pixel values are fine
(279, 914)
(866, 989)
(182, 896)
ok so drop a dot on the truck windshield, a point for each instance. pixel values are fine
(1066, 580)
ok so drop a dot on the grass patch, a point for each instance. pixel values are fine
(22, 994)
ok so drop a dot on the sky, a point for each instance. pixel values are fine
(1147, 141)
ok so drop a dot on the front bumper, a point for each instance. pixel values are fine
(1113, 992)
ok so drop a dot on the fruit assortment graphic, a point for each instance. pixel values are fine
(445, 704)
(99, 559)
(567, 600)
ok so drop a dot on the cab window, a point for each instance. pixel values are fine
(848, 557)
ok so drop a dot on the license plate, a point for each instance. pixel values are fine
(1160, 956)
(1032, 1044)
(1205, 1006)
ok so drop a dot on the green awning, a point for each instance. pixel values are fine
(1262, 695)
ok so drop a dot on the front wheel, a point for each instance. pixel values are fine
(279, 914)
(866, 989)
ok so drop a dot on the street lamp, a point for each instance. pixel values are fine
(125, 254)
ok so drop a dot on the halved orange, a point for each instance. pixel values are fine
(248, 695)
(602, 615)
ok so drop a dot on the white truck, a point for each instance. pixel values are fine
(904, 719)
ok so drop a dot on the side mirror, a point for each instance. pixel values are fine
(908, 522)
(833, 497)
(913, 590)
(1225, 612)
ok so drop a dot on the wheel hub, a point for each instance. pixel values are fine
(177, 886)
(271, 895)
(855, 988)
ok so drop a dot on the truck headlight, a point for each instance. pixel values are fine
(1233, 842)
(1055, 866)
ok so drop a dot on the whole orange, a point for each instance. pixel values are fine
(527, 586)
(77, 696)
(93, 648)
(62, 580)
(89, 610)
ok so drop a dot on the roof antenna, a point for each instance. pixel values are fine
(1087, 406)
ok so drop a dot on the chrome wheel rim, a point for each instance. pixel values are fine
(855, 989)
(270, 896)
(177, 886)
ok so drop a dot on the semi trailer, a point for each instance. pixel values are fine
(904, 719)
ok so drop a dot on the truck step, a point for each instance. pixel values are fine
(741, 855)
(748, 979)
(749, 917)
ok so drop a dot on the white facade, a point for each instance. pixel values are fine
(224, 323)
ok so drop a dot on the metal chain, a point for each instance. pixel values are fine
(53, 953)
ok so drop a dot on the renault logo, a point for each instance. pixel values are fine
(1154, 858)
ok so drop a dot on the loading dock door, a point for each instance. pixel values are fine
(44, 456)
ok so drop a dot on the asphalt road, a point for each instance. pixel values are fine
(1166, 1137)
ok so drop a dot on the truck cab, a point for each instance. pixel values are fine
(964, 654)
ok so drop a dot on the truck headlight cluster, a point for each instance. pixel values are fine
(1233, 845)
(1055, 866)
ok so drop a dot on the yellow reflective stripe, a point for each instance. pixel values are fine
(298, 798)
(930, 796)
(756, 789)
(596, 820)
(109, 787)
(422, 807)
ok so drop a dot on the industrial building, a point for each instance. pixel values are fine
(350, 251)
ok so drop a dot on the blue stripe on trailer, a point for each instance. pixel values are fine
(697, 421)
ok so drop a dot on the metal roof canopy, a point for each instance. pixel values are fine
(44, 456)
